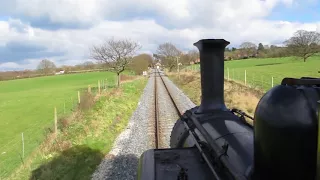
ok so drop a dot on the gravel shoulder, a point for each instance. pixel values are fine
(122, 161)
(182, 101)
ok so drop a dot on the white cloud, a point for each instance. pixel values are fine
(181, 22)
(185, 11)
(318, 27)
(9, 65)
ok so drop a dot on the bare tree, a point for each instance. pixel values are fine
(87, 65)
(168, 53)
(194, 55)
(248, 48)
(46, 67)
(189, 57)
(115, 54)
(141, 63)
(303, 43)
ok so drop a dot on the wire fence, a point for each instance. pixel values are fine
(253, 79)
(16, 151)
(250, 78)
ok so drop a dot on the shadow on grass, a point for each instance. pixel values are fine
(123, 167)
(78, 162)
(268, 64)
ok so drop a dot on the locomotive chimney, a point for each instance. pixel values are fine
(212, 74)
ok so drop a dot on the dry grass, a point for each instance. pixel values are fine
(235, 95)
(87, 101)
(125, 78)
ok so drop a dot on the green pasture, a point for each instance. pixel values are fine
(260, 72)
(90, 136)
(27, 106)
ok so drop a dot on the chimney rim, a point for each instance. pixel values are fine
(212, 42)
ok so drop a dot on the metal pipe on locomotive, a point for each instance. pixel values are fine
(211, 141)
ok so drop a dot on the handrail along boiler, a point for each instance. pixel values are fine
(211, 141)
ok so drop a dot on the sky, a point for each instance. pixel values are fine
(64, 30)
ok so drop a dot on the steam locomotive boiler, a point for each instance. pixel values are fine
(211, 141)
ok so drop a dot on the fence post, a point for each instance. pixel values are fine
(55, 121)
(64, 107)
(245, 77)
(89, 89)
(233, 74)
(22, 145)
(272, 82)
(79, 100)
(253, 80)
(228, 75)
(99, 86)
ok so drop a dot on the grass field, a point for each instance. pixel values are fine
(27, 106)
(259, 72)
(87, 138)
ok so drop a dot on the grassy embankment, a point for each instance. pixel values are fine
(235, 95)
(26, 106)
(242, 97)
(84, 137)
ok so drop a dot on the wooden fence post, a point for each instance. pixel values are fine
(245, 77)
(253, 80)
(102, 84)
(79, 100)
(22, 145)
(99, 86)
(55, 121)
(228, 75)
(272, 82)
(89, 89)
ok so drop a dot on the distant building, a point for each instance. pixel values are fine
(60, 72)
(144, 73)
(158, 65)
(197, 61)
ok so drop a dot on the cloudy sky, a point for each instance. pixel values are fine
(63, 30)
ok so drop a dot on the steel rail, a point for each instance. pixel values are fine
(191, 133)
(156, 111)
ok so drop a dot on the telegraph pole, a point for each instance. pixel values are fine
(178, 68)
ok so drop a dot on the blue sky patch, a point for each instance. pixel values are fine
(301, 11)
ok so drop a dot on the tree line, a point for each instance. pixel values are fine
(302, 44)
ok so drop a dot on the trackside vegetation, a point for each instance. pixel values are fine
(85, 136)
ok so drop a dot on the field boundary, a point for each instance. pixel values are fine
(16, 153)
(246, 78)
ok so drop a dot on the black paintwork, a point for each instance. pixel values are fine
(285, 124)
(318, 153)
(222, 127)
(282, 145)
(169, 163)
(212, 74)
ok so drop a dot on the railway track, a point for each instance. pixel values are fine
(166, 111)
